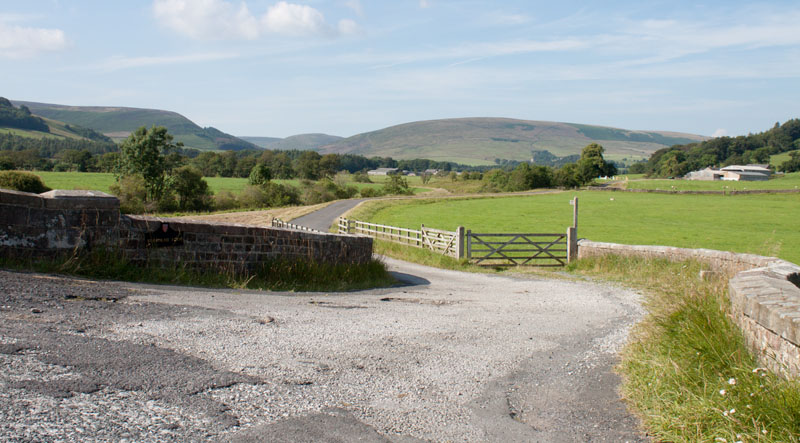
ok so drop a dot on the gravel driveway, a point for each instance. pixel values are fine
(453, 357)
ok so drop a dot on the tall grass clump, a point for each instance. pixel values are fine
(686, 371)
(274, 275)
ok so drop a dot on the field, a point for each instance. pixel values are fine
(759, 224)
(777, 159)
(789, 181)
(101, 181)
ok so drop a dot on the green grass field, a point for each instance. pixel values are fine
(789, 181)
(101, 181)
(777, 159)
(759, 224)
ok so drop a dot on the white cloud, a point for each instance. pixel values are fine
(719, 133)
(290, 19)
(424, 4)
(20, 42)
(207, 19)
(504, 19)
(222, 20)
(355, 5)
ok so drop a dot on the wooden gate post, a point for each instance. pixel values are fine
(572, 244)
(468, 241)
(460, 242)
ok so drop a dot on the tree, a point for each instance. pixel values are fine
(397, 184)
(592, 164)
(147, 153)
(259, 175)
(329, 165)
(793, 164)
(192, 190)
(307, 165)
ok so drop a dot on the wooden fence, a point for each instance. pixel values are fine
(278, 223)
(518, 249)
(443, 242)
(480, 248)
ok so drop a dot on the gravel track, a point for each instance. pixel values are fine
(455, 357)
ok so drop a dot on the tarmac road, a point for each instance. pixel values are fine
(454, 357)
(323, 219)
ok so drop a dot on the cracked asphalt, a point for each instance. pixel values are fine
(450, 357)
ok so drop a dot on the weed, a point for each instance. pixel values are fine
(686, 371)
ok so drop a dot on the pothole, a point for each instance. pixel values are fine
(420, 301)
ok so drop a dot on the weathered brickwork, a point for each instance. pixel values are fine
(765, 300)
(56, 222)
(236, 247)
(60, 222)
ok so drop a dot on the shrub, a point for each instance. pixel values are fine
(131, 192)
(361, 177)
(192, 190)
(371, 192)
(225, 200)
(397, 184)
(22, 181)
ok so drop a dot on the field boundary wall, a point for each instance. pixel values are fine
(765, 300)
(691, 192)
(59, 223)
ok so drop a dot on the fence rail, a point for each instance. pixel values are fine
(443, 242)
(489, 249)
(485, 249)
(278, 223)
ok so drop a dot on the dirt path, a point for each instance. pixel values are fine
(453, 357)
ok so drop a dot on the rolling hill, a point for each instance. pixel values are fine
(118, 123)
(302, 142)
(479, 141)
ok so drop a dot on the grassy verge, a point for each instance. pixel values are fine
(686, 371)
(275, 275)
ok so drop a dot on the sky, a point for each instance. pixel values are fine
(342, 67)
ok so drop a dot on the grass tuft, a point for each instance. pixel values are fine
(274, 275)
(687, 372)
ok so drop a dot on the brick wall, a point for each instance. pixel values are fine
(56, 222)
(60, 222)
(765, 300)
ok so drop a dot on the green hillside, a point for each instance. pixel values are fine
(301, 142)
(118, 123)
(481, 140)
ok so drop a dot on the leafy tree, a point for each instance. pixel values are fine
(147, 153)
(193, 192)
(425, 177)
(793, 164)
(329, 165)
(307, 165)
(592, 164)
(259, 175)
(397, 184)
(567, 176)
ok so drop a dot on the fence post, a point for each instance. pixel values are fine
(468, 241)
(572, 244)
(460, 242)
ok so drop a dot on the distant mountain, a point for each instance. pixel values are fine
(20, 121)
(262, 142)
(118, 123)
(301, 142)
(482, 140)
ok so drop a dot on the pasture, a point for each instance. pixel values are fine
(759, 224)
(102, 181)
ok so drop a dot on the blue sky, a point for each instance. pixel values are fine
(278, 68)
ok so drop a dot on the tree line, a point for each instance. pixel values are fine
(678, 160)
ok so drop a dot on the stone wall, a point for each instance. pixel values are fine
(765, 300)
(60, 222)
(56, 222)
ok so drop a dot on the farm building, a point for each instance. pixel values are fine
(383, 171)
(732, 173)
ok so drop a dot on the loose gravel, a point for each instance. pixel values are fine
(456, 357)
